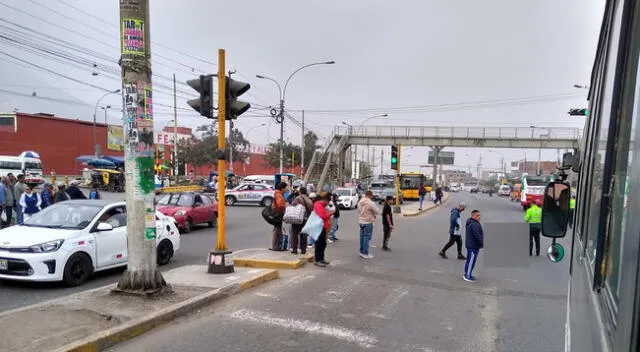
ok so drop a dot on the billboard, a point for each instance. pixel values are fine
(444, 158)
(115, 138)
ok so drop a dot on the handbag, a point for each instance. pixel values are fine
(313, 227)
(271, 216)
(294, 214)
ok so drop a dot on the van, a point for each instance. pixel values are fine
(504, 191)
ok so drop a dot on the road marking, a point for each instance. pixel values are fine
(489, 314)
(300, 278)
(267, 295)
(314, 304)
(338, 294)
(433, 271)
(390, 302)
(311, 327)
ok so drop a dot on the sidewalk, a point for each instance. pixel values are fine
(264, 258)
(96, 319)
(411, 209)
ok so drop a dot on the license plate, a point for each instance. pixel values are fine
(4, 264)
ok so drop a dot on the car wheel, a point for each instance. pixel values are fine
(267, 202)
(214, 220)
(188, 225)
(230, 200)
(164, 252)
(77, 269)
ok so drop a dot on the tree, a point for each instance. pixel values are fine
(142, 274)
(310, 146)
(291, 155)
(204, 148)
(195, 151)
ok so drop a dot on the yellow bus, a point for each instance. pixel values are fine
(410, 182)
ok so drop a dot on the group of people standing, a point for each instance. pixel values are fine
(16, 196)
(325, 206)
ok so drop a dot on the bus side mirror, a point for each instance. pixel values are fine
(555, 209)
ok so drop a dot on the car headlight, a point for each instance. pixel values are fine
(180, 213)
(47, 247)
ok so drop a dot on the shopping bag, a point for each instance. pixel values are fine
(294, 214)
(313, 227)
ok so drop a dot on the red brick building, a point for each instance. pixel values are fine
(59, 141)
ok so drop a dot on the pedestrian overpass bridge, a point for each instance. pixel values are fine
(535, 137)
(460, 137)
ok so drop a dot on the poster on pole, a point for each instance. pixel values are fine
(115, 138)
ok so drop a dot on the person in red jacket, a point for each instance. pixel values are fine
(321, 243)
(279, 206)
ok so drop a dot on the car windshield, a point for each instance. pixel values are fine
(64, 215)
(177, 199)
(379, 185)
(342, 192)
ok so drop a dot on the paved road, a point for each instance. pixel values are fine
(245, 229)
(407, 300)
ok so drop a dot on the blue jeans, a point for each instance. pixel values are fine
(420, 200)
(334, 229)
(366, 231)
(19, 214)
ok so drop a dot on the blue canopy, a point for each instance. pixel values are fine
(118, 160)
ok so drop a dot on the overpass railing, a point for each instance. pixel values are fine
(522, 133)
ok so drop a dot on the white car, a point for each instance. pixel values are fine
(504, 191)
(347, 197)
(260, 193)
(70, 240)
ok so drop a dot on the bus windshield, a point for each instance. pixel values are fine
(31, 165)
(411, 181)
(537, 180)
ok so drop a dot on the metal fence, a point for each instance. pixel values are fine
(522, 133)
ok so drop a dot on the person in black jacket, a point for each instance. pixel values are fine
(474, 241)
(74, 192)
(334, 221)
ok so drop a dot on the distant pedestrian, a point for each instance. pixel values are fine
(18, 190)
(474, 241)
(454, 232)
(279, 206)
(30, 202)
(296, 229)
(367, 213)
(422, 192)
(533, 216)
(334, 221)
(387, 223)
(94, 193)
(572, 208)
(74, 192)
(47, 195)
(320, 208)
(439, 195)
(9, 201)
(61, 195)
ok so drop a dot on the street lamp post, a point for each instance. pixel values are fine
(95, 111)
(283, 92)
(548, 135)
(502, 164)
(357, 131)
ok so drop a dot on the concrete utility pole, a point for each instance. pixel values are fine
(142, 275)
(175, 131)
(302, 149)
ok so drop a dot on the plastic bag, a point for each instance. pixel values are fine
(313, 227)
(3, 216)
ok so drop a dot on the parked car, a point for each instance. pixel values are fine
(246, 193)
(71, 240)
(189, 209)
(378, 188)
(473, 190)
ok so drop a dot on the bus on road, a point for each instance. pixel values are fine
(603, 310)
(532, 188)
(410, 182)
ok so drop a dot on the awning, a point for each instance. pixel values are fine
(118, 160)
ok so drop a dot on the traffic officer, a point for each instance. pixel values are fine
(572, 208)
(533, 216)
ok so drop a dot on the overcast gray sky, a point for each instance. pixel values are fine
(389, 55)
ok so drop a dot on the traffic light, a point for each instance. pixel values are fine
(204, 104)
(394, 157)
(578, 112)
(235, 107)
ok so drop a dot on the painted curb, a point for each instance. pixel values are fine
(273, 264)
(419, 212)
(136, 327)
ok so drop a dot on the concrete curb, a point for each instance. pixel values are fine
(136, 327)
(419, 212)
(273, 264)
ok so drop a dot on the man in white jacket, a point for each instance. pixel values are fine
(367, 213)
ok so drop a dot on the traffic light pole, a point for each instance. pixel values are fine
(396, 209)
(219, 260)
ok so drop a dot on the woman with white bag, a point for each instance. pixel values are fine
(318, 226)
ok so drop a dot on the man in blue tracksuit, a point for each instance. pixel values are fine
(474, 241)
(454, 232)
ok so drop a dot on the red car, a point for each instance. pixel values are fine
(189, 208)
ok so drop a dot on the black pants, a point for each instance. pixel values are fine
(386, 230)
(534, 235)
(454, 239)
(321, 244)
(296, 235)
